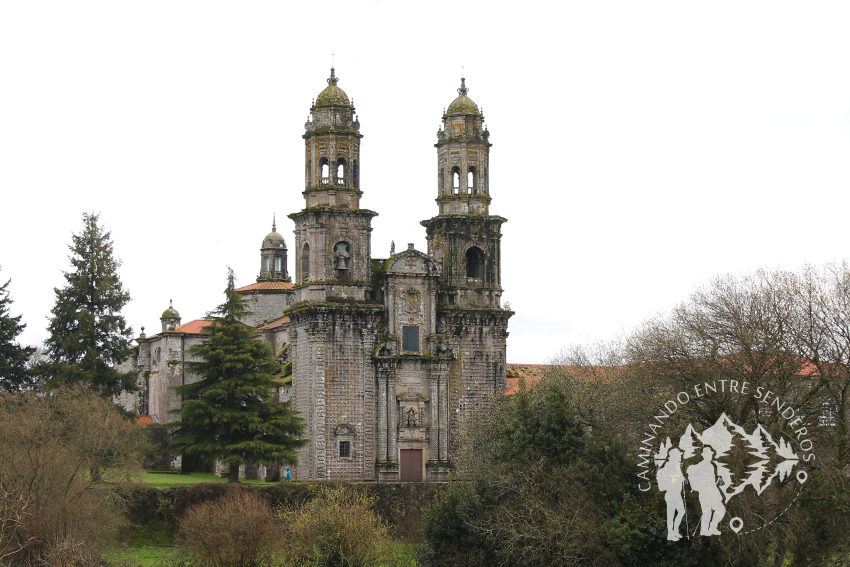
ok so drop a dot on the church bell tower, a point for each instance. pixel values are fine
(464, 237)
(334, 321)
(332, 232)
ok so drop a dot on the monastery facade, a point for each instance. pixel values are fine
(384, 358)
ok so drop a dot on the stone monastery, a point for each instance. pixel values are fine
(384, 358)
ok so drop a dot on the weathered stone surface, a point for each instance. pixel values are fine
(387, 355)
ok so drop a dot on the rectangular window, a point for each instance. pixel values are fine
(265, 263)
(277, 263)
(345, 449)
(410, 339)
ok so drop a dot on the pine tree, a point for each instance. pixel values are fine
(88, 336)
(13, 357)
(230, 414)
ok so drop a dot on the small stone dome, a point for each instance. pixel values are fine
(274, 239)
(463, 104)
(170, 313)
(332, 95)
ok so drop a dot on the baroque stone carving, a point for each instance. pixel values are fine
(413, 299)
(411, 263)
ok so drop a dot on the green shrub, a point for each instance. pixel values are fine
(338, 528)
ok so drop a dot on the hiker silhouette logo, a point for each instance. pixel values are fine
(718, 464)
(724, 478)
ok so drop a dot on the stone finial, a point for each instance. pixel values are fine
(410, 246)
(274, 224)
(392, 247)
(142, 334)
(333, 78)
(463, 90)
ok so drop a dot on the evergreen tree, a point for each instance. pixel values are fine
(13, 357)
(230, 414)
(88, 336)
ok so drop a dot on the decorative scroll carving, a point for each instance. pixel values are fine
(344, 429)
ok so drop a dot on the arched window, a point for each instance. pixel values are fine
(474, 263)
(340, 171)
(456, 179)
(305, 263)
(325, 168)
(470, 180)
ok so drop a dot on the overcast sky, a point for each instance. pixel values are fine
(638, 147)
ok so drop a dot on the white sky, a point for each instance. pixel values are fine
(639, 147)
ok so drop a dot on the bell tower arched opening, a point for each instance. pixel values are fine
(305, 262)
(324, 171)
(475, 262)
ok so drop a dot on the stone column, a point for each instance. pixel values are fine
(383, 401)
(392, 418)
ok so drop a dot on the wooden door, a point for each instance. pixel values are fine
(410, 469)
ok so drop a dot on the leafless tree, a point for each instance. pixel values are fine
(50, 443)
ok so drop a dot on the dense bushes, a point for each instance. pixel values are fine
(332, 523)
(540, 488)
(399, 505)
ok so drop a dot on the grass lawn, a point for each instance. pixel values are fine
(160, 480)
(146, 555)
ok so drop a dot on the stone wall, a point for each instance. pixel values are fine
(333, 387)
(477, 337)
(267, 306)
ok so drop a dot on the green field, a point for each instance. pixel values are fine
(165, 480)
(151, 555)
(145, 555)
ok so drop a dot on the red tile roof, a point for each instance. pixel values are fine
(190, 328)
(266, 286)
(276, 323)
(532, 373)
(145, 420)
(514, 383)
(193, 327)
